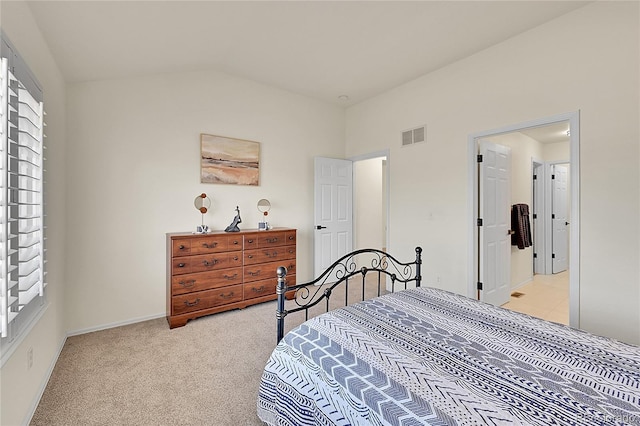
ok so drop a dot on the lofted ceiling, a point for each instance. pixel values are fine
(322, 49)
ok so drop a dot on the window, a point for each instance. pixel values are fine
(22, 248)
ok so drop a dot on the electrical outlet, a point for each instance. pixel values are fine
(29, 358)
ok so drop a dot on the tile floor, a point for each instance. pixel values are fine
(546, 297)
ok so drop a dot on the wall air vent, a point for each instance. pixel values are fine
(407, 137)
(417, 135)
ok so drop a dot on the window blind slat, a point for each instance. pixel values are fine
(29, 280)
(28, 101)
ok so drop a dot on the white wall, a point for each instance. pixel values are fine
(20, 389)
(134, 171)
(587, 60)
(557, 151)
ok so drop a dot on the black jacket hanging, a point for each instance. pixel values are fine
(521, 226)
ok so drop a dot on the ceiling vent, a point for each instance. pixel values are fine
(417, 135)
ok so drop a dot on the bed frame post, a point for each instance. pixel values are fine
(280, 290)
(418, 266)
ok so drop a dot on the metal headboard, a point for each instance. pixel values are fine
(310, 294)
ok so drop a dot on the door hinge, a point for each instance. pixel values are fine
(553, 256)
(553, 216)
(479, 222)
(479, 285)
(535, 215)
(535, 255)
(535, 177)
(553, 176)
(479, 158)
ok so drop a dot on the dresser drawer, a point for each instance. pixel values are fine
(290, 237)
(264, 287)
(251, 241)
(272, 239)
(268, 270)
(206, 299)
(211, 244)
(266, 239)
(180, 247)
(251, 257)
(206, 262)
(260, 288)
(188, 283)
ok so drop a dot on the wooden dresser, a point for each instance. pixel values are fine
(220, 271)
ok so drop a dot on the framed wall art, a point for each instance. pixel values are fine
(229, 161)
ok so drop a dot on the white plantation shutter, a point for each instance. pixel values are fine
(22, 242)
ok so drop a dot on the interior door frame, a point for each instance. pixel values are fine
(539, 192)
(574, 244)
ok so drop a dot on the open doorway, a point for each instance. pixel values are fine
(539, 182)
(370, 200)
(533, 148)
(351, 206)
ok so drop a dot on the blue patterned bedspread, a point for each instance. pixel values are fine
(430, 357)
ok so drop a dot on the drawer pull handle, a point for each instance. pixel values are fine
(250, 256)
(181, 265)
(249, 241)
(187, 303)
(181, 247)
(261, 289)
(210, 245)
(272, 240)
(210, 263)
(226, 296)
(272, 254)
(235, 257)
(235, 243)
(230, 277)
(254, 273)
(187, 284)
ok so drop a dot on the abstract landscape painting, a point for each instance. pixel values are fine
(229, 160)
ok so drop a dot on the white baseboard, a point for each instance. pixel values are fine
(527, 281)
(115, 324)
(43, 385)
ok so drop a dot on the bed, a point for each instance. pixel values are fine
(424, 356)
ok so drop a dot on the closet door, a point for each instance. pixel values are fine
(560, 218)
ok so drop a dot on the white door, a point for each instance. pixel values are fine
(333, 211)
(538, 219)
(495, 212)
(560, 218)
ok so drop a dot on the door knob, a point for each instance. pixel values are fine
(320, 227)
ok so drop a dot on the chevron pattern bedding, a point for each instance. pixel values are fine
(430, 357)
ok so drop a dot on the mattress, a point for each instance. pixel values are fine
(429, 357)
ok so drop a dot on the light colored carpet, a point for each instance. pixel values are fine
(205, 373)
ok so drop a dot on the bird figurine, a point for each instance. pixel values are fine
(233, 226)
